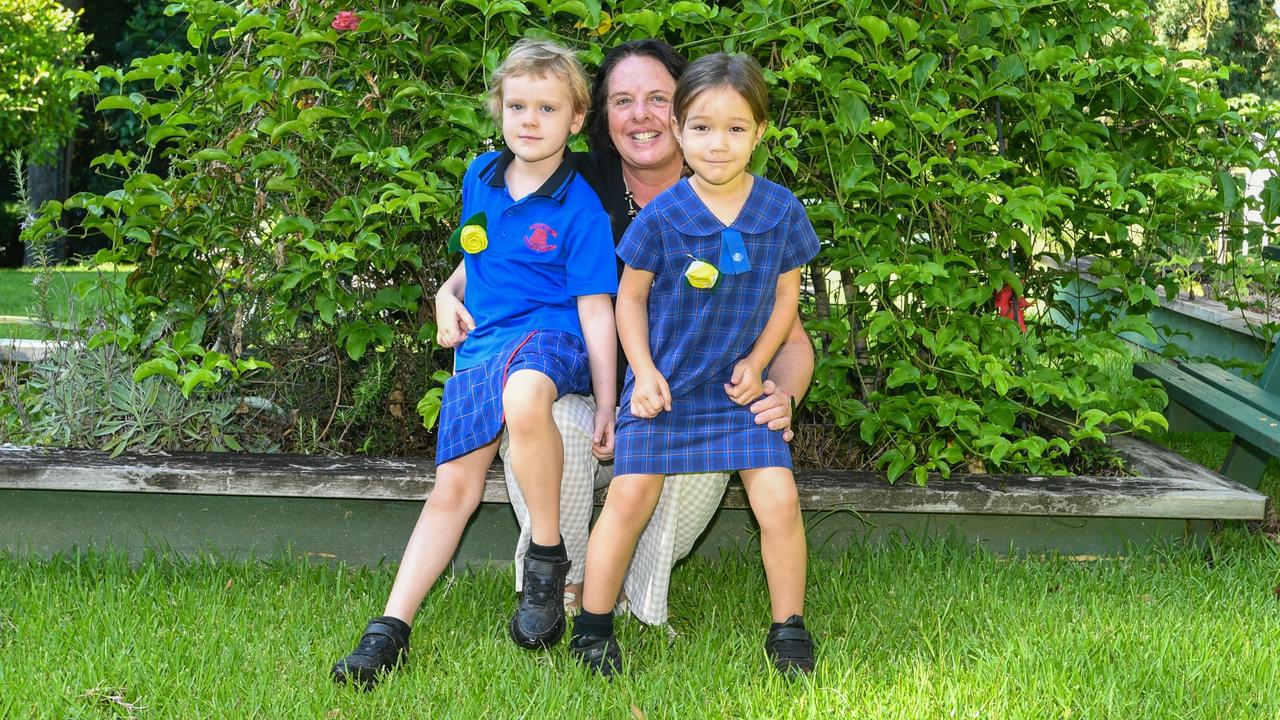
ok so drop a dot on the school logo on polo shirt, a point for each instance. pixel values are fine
(539, 237)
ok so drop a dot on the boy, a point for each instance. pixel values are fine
(539, 271)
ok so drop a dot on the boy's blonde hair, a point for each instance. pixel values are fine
(540, 58)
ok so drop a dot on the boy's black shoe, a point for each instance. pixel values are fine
(384, 644)
(600, 653)
(790, 647)
(539, 618)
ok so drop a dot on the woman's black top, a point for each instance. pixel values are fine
(602, 169)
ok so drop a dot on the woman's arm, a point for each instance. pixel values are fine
(745, 385)
(453, 322)
(651, 394)
(789, 379)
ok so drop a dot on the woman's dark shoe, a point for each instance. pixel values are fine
(600, 653)
(384, 644)
(790, 647)
(539, 618)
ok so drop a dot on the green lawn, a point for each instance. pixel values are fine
(19, 296)
(933, 631)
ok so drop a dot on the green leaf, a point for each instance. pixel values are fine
(876, 28)
(156, 366)
(1229, 191)
(198, 377)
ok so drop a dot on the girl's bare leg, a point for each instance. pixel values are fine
(776, 505)
(627, 510)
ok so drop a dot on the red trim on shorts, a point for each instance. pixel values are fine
(507, 367)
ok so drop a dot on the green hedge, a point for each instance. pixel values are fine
(945, 151)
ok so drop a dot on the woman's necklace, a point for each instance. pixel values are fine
(632, 210)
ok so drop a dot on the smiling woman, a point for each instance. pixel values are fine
(635, 157)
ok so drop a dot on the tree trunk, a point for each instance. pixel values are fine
(51, 180)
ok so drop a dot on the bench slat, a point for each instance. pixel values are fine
(1235, 386)
(1258, 428)
(1187, 496)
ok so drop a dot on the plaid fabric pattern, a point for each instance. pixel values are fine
(697, 336)
(575, 418)
(471, 414)
(685, 508)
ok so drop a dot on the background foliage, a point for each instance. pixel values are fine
(40, 40)
(946, 151)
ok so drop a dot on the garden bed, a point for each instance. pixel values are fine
(361, 509)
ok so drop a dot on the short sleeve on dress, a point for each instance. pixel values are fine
(640, 247)
(591, 269)
(802, 242)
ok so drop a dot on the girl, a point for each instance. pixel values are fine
(710, 288)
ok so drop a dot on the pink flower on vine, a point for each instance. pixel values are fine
(346, 20)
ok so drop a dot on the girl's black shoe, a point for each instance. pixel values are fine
(539, 618)
(790, 647)
(384, 644)
(600, 653)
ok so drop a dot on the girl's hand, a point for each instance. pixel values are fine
(602, 436)
(650, 395)
(453, 322)
(745, 384)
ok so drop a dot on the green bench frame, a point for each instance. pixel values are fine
(1206, 397)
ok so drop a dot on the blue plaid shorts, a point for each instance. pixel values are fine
(471, 413)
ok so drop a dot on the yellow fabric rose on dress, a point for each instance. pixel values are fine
(474, 239)
(702, 275)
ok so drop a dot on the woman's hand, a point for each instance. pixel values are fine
(745, 384)
(602, 435)
(774, 409)
(650, 395)
(453, 322)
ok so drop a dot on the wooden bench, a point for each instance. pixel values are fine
(360, 509)
(1203, 396)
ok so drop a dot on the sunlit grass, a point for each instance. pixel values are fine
(935, 631)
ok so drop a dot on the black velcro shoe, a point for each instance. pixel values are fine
(539, 619)
(790, 647)
(600, 653)
(384, 644)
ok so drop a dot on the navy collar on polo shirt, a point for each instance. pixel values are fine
(556, 187)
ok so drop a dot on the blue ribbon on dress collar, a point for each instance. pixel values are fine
(733, 253)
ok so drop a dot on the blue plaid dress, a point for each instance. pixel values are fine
(697, 336)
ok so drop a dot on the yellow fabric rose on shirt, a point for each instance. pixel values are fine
(470, 237)
(474, 239)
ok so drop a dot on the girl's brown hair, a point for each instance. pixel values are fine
(739, 72)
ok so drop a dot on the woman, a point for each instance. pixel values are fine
(635, 157)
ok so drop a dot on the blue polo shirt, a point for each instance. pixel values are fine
(545, 250)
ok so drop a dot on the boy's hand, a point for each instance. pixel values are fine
(775, 409)
(453, 322)
(745, 384)
(602, 435)
(651, 395)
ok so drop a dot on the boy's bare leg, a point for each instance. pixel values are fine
(776, 505)
(457, 493)
(537, 453)
(627, 510)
